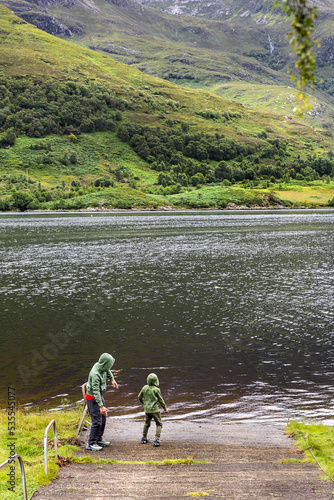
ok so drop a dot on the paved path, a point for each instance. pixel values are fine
(245, 463)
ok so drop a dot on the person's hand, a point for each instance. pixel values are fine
(166, 410)
(103, 410)
(114, 384)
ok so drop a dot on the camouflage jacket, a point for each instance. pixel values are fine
(150, 395)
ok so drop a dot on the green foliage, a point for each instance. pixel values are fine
(38, 108)
(122, 173)
(4, 205)
(104, 182)
(165, 180)
(276, 61)
(190, 158)
(197, 179)
(186, 155)
(8, 139)
(300, 38)
(73, 138)
(21, 200)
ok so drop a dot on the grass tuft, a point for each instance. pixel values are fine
(317, 442)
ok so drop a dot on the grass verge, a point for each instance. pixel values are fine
(317, 442)
(28, 442)
(28, 439)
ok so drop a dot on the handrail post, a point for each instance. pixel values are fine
(53, 422)
(81, 423)
(84, 411)
(23, 474)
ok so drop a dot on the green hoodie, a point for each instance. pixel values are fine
(150, 395)
(97, 379)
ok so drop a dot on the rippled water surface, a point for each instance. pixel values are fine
(233, 311)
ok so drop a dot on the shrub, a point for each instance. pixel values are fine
(103, 182)
(94, 203)
(21, 200)
(73, 158)
(73, 138)
(8, 139)
(4, 205)
(197, 179)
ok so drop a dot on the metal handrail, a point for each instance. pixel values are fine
(53, 422)
(23, 475)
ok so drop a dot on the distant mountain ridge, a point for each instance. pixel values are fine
(216, 9)
(226, 9)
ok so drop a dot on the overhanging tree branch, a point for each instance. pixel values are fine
(300, 38)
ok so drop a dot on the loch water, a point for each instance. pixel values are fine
(232, 310)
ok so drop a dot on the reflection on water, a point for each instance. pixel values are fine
(232, 310)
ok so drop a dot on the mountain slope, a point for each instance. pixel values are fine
(91, 131)
(248, 45)
(143, 36)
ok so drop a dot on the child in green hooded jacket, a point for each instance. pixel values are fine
(150, 396)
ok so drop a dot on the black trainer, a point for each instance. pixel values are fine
(157, 442)
(144, 440)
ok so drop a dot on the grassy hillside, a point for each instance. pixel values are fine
(240, 43)
(155, 42)
(78, 129)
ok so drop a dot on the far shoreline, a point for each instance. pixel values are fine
(161, 210)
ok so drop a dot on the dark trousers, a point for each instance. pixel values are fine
(98, 422)
(157, 418)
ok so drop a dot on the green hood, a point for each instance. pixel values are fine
(152, 379)
(105, 362)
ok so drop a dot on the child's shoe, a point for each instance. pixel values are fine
(144, 440)
(157, 442)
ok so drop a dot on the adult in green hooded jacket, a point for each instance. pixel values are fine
(96, 386)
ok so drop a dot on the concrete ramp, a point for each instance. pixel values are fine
(245, 461)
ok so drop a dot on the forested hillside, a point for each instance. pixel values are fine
(79, 129)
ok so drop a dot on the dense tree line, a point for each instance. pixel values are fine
(169, 145)
(188, 158)
(38, 108)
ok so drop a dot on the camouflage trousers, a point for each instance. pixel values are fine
(157, 418)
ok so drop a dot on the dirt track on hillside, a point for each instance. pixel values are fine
(244, 462)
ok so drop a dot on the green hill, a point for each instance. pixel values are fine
(242, 45)
(80, 129)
